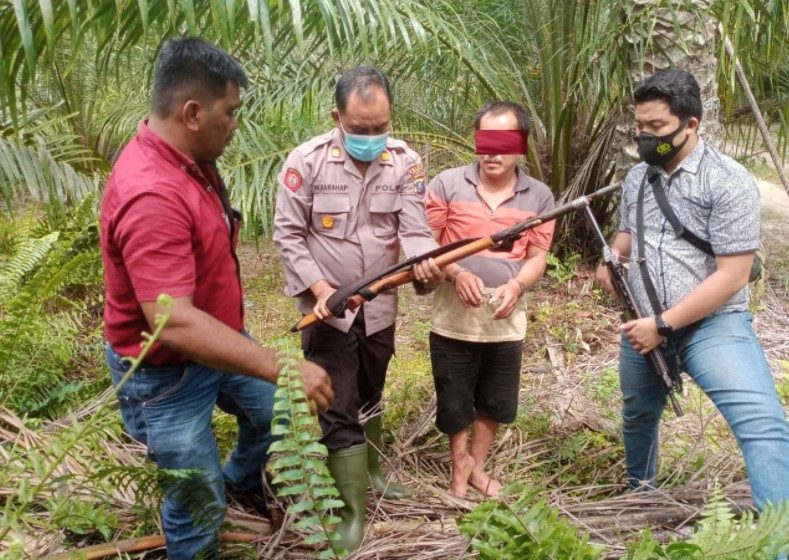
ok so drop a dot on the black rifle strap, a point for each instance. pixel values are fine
(642, 261)
(668, 212)
(657, 308)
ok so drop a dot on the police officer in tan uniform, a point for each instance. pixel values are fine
(347, 201)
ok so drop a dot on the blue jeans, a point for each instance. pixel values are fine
(168, 409)
(726, 361)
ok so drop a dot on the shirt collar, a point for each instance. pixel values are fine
(173, 155)
(337, 150)
(161, 147)
(472, 176)
(692, 160)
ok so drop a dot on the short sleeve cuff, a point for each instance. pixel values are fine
(175, 291)
(306, 279)
(734, 248)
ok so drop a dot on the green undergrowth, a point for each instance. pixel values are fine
(60, 277)
(65, 480)
(51, 304)
(521, 525)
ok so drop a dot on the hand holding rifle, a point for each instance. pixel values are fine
(409, 270)
(613, 276)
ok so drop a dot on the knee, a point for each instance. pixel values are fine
(188, 450)
(762, 425)
(641, 412)
(195, 493)
(452, 417)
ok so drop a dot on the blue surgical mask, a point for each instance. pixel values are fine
(362, 147)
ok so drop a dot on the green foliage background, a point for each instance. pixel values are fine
(74, 82)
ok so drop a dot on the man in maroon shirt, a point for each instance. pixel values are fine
(167, 227)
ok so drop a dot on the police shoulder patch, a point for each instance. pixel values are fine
(293, 179)
(416, 171)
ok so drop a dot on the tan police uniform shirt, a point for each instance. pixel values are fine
(332, 223)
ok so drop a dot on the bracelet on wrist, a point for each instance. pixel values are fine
(522, 286)
(454, 274)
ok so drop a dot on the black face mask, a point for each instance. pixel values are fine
(658, 150)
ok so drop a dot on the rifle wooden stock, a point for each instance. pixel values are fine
(471, 248)
(407, 276)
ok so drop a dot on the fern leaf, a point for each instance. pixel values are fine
(29, 255)
(716, 526)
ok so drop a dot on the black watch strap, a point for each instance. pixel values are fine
(663, 328)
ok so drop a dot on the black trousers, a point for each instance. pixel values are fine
(474, 377)
(357, 366)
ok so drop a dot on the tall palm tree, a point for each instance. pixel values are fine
(683, 38)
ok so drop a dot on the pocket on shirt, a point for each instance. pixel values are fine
(384, 212)
(330, 215)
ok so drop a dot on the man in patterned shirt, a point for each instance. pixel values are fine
(700, 307)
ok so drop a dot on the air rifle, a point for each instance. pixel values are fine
(399, 274)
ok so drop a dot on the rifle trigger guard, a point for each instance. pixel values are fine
(504, 246)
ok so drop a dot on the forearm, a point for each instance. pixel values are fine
(621, 244)
(451, 269)
(533, 266)
(320, 287)
(532, 270)
(301, 270)
(291, 228)
(708, 296)
(207, 341)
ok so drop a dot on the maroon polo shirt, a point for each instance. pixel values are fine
(164, 230)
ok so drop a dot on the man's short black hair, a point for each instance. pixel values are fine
(678, 88)
(499, 107)
(191, 67)
(360, 79)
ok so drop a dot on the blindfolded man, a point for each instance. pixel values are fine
(479, 318)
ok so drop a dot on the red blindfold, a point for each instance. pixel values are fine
(501, 142)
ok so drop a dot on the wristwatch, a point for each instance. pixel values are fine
(663, 328)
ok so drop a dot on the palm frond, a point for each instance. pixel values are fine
(43, 169)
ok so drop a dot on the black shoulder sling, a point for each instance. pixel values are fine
(649, 287)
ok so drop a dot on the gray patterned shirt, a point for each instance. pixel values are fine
(714, 197)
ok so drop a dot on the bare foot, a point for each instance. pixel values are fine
(480, 480)
(461, 470)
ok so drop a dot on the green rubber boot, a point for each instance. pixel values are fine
(389, 489)
(348, 467)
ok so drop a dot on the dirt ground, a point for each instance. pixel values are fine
(775, 236)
